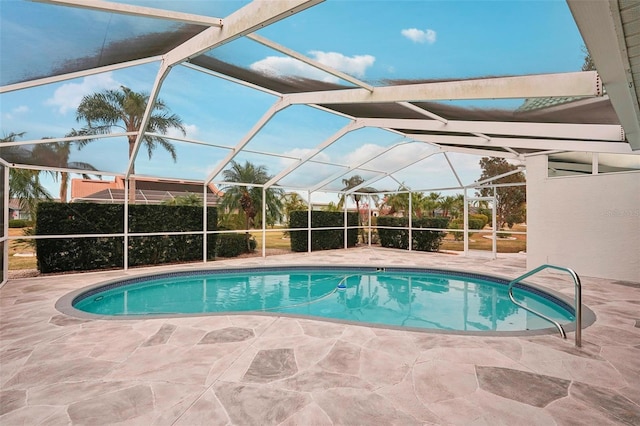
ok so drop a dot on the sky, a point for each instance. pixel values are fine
(371, 40)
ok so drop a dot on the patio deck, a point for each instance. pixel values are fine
(248, 369)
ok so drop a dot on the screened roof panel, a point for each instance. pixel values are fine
(101, 155)
(282, 133)
(193, 161)
(387, 45)
(400, 156)
(339, 184)
(359, 146)
(257, 63)
(417, 176)
(209, 106)
(280, 84)
(40, 40)
(217, 8)
(310, 174)
(381, 41)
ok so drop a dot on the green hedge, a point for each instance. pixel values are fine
(475, 223)
(482, 217)
(423, 240)
(322, 239)
(20, 223)
(79, 254)
(233, 245)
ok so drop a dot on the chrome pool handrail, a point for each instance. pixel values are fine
(577, 300)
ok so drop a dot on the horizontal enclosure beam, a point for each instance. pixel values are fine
(604, 132)
(525, 143)
(584, 83)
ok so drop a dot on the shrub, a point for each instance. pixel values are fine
(322, 239)
(78, 254)
(20, 223)
(474, 223)
(422, 240)
(232, 245)
(484, 218)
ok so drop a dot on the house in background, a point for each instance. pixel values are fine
(16, 212)
(148, 191)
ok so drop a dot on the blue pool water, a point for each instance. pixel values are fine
(429, 299)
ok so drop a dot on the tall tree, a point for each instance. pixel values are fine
(248, 197)
(292, 201)
(511, 200)
(56, 154)
(431, 202)
(457, 208)
(447, 204)
(125, 109)
(24, 184)
(351, 183)
(587, 64)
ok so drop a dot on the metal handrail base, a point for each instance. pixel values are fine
(577, 300)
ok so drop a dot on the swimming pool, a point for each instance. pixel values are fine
(415, 298)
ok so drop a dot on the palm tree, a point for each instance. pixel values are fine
(399, 202)
(248, 198)
(352, 182)
(125, 109)
(24, 184)
(57, 155)
(447, 204)
(292, 201)
(458, 206)
(431, 202)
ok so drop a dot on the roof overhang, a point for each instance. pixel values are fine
(610, 30)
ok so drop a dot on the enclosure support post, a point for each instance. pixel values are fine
(205, 227)
(126, 224)
(369, 221)
(264, 222)
(410, 219)
(309, 224)
(5, 212)
(495, 225)
(346, 229)
(465, 227)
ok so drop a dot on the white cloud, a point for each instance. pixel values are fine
(302, 153)
(354, 65)
(190, 129)
(419, 36)
(285, 66)
(69, 95)
(22, 109)
(362, 153)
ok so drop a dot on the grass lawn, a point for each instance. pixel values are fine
(17, 262)
(277, 241)
(477, 242)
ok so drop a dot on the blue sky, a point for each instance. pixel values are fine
(371, 40)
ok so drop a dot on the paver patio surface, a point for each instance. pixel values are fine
(57, 369)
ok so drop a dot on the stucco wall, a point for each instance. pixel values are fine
(588, 223)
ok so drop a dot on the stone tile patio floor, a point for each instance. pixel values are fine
(249, 369)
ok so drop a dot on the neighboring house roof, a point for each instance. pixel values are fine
(573, 109)
(81, 188)
(532, 104)
(14, 204)
(148, 191)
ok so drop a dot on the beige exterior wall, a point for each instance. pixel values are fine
(588, 223)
